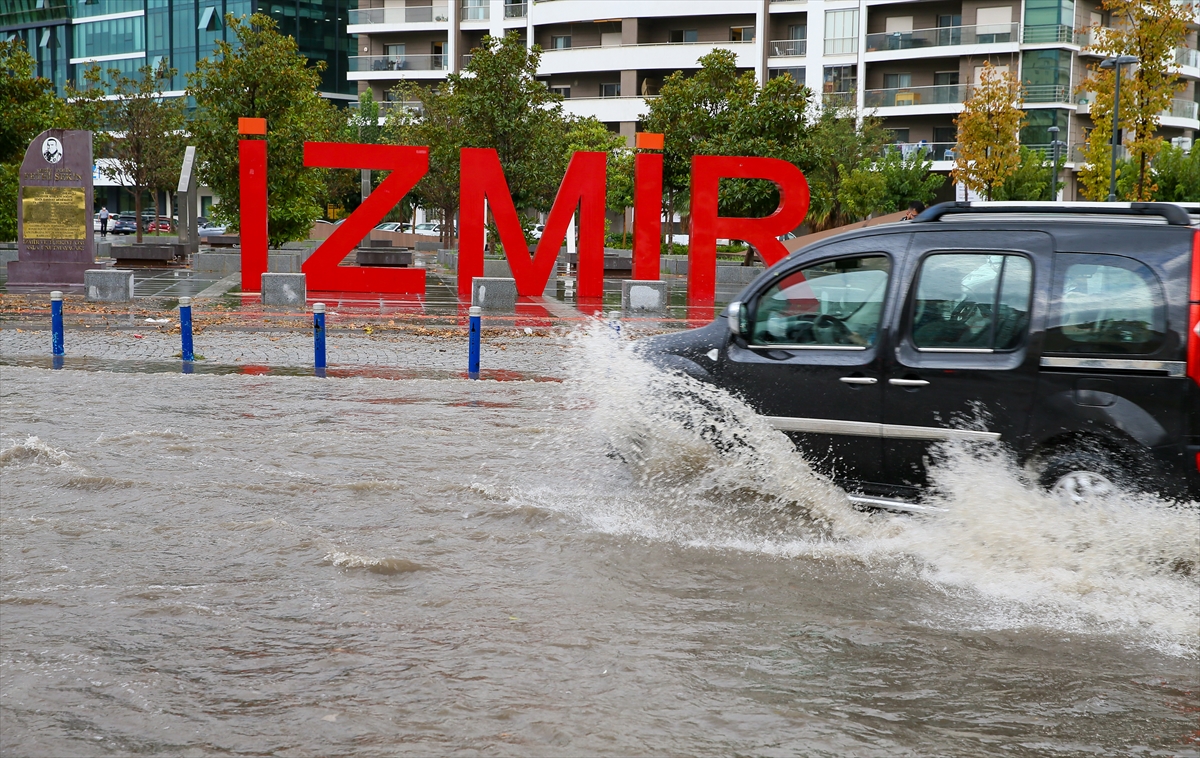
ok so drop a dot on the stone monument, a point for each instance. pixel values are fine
(54, 214)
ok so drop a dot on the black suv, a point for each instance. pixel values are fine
(1068, 332)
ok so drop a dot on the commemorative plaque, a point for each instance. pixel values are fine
(54, 217)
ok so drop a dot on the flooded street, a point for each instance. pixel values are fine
(606, 561)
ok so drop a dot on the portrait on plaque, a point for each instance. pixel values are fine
(54, 217)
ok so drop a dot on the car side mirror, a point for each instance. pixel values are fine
(736, 318)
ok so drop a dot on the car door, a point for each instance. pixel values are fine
(963, 368)
(808, 356)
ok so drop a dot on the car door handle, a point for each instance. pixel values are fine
(859, 380)
(908, 382)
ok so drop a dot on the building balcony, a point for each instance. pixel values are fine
(1053, 34)
(670, 56)
(383, 20)
(1046, 93)
(838, 99)
(942, 41)
(934, 151)
(516, 10)
(369, 67)
(1187, 62)
(789, 48)
(422, 14)
(607, 109)
(941, 98)
(1182, 114)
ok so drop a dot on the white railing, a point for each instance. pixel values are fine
(398, 63)
(947, 36)
(1186, 57)
(409, 15)
(1183, 109)
(939, 94)
(782, 48)
(516, 10)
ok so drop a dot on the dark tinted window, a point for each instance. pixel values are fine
(1105, 304)
(834, 303)
(972, 301)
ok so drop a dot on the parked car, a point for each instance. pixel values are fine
(428, 229)
(210, 230)
(537, 231)
(1068, 332)
(389, 226)
(161, 224)
(123, 224)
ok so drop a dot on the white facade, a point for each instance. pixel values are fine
(909, 61)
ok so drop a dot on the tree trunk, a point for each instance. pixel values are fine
(1141, 176)
(750, 254)
(137, 212)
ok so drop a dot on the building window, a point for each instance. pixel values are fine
(560, 42)
(840, 79)
(899, 136)
(112, 37)
(610, 90)
(796, 73)
(897, 81)
(741, 34)
(685, 35)
(797, 31)
(993, 25)
(841, 32)
(563, 92)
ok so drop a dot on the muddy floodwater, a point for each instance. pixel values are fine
(611, 563)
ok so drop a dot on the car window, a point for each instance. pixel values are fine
(972, 301)
(1105, 304)
(836, 303)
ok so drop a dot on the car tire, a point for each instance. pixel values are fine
(1080, 475)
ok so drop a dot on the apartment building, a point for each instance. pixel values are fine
(912, 63)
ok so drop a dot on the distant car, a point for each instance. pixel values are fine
(210, 230)
(428, 229)
(122, 225)
(537, 231)
(162, 224)
(389, 226)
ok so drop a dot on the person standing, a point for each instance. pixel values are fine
(104, 221)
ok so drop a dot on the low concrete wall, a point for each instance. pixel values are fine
(217, 263)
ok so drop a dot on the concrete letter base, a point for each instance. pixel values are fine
(108, 285)
(494, 294)
(643, 296)
(284, 289)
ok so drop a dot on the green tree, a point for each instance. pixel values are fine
(839, 146)
(262, 75)
(1031, 180)
(988, 153)
(1149, 30)
(134, 125)
(29, 107)
(889, 184)
(1177, 175)
(723, 111)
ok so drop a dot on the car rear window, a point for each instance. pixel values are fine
(1105, 304)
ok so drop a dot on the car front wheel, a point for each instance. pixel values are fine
(1080, 475)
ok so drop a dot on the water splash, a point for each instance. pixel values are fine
(31, 451)
(704, 469)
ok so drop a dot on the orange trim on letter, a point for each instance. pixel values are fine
(252, 126)
(649, 141)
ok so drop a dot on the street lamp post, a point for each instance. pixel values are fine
(1115, 63)
(1056, 146)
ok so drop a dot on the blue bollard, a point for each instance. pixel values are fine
(319, 338)
(473, 357)
(185, 330)
(56, 324)
(614, 322)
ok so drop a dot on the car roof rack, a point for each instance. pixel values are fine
(1173, 213)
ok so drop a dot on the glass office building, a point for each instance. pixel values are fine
(67, 36)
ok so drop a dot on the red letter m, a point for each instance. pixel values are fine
(583, 186)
